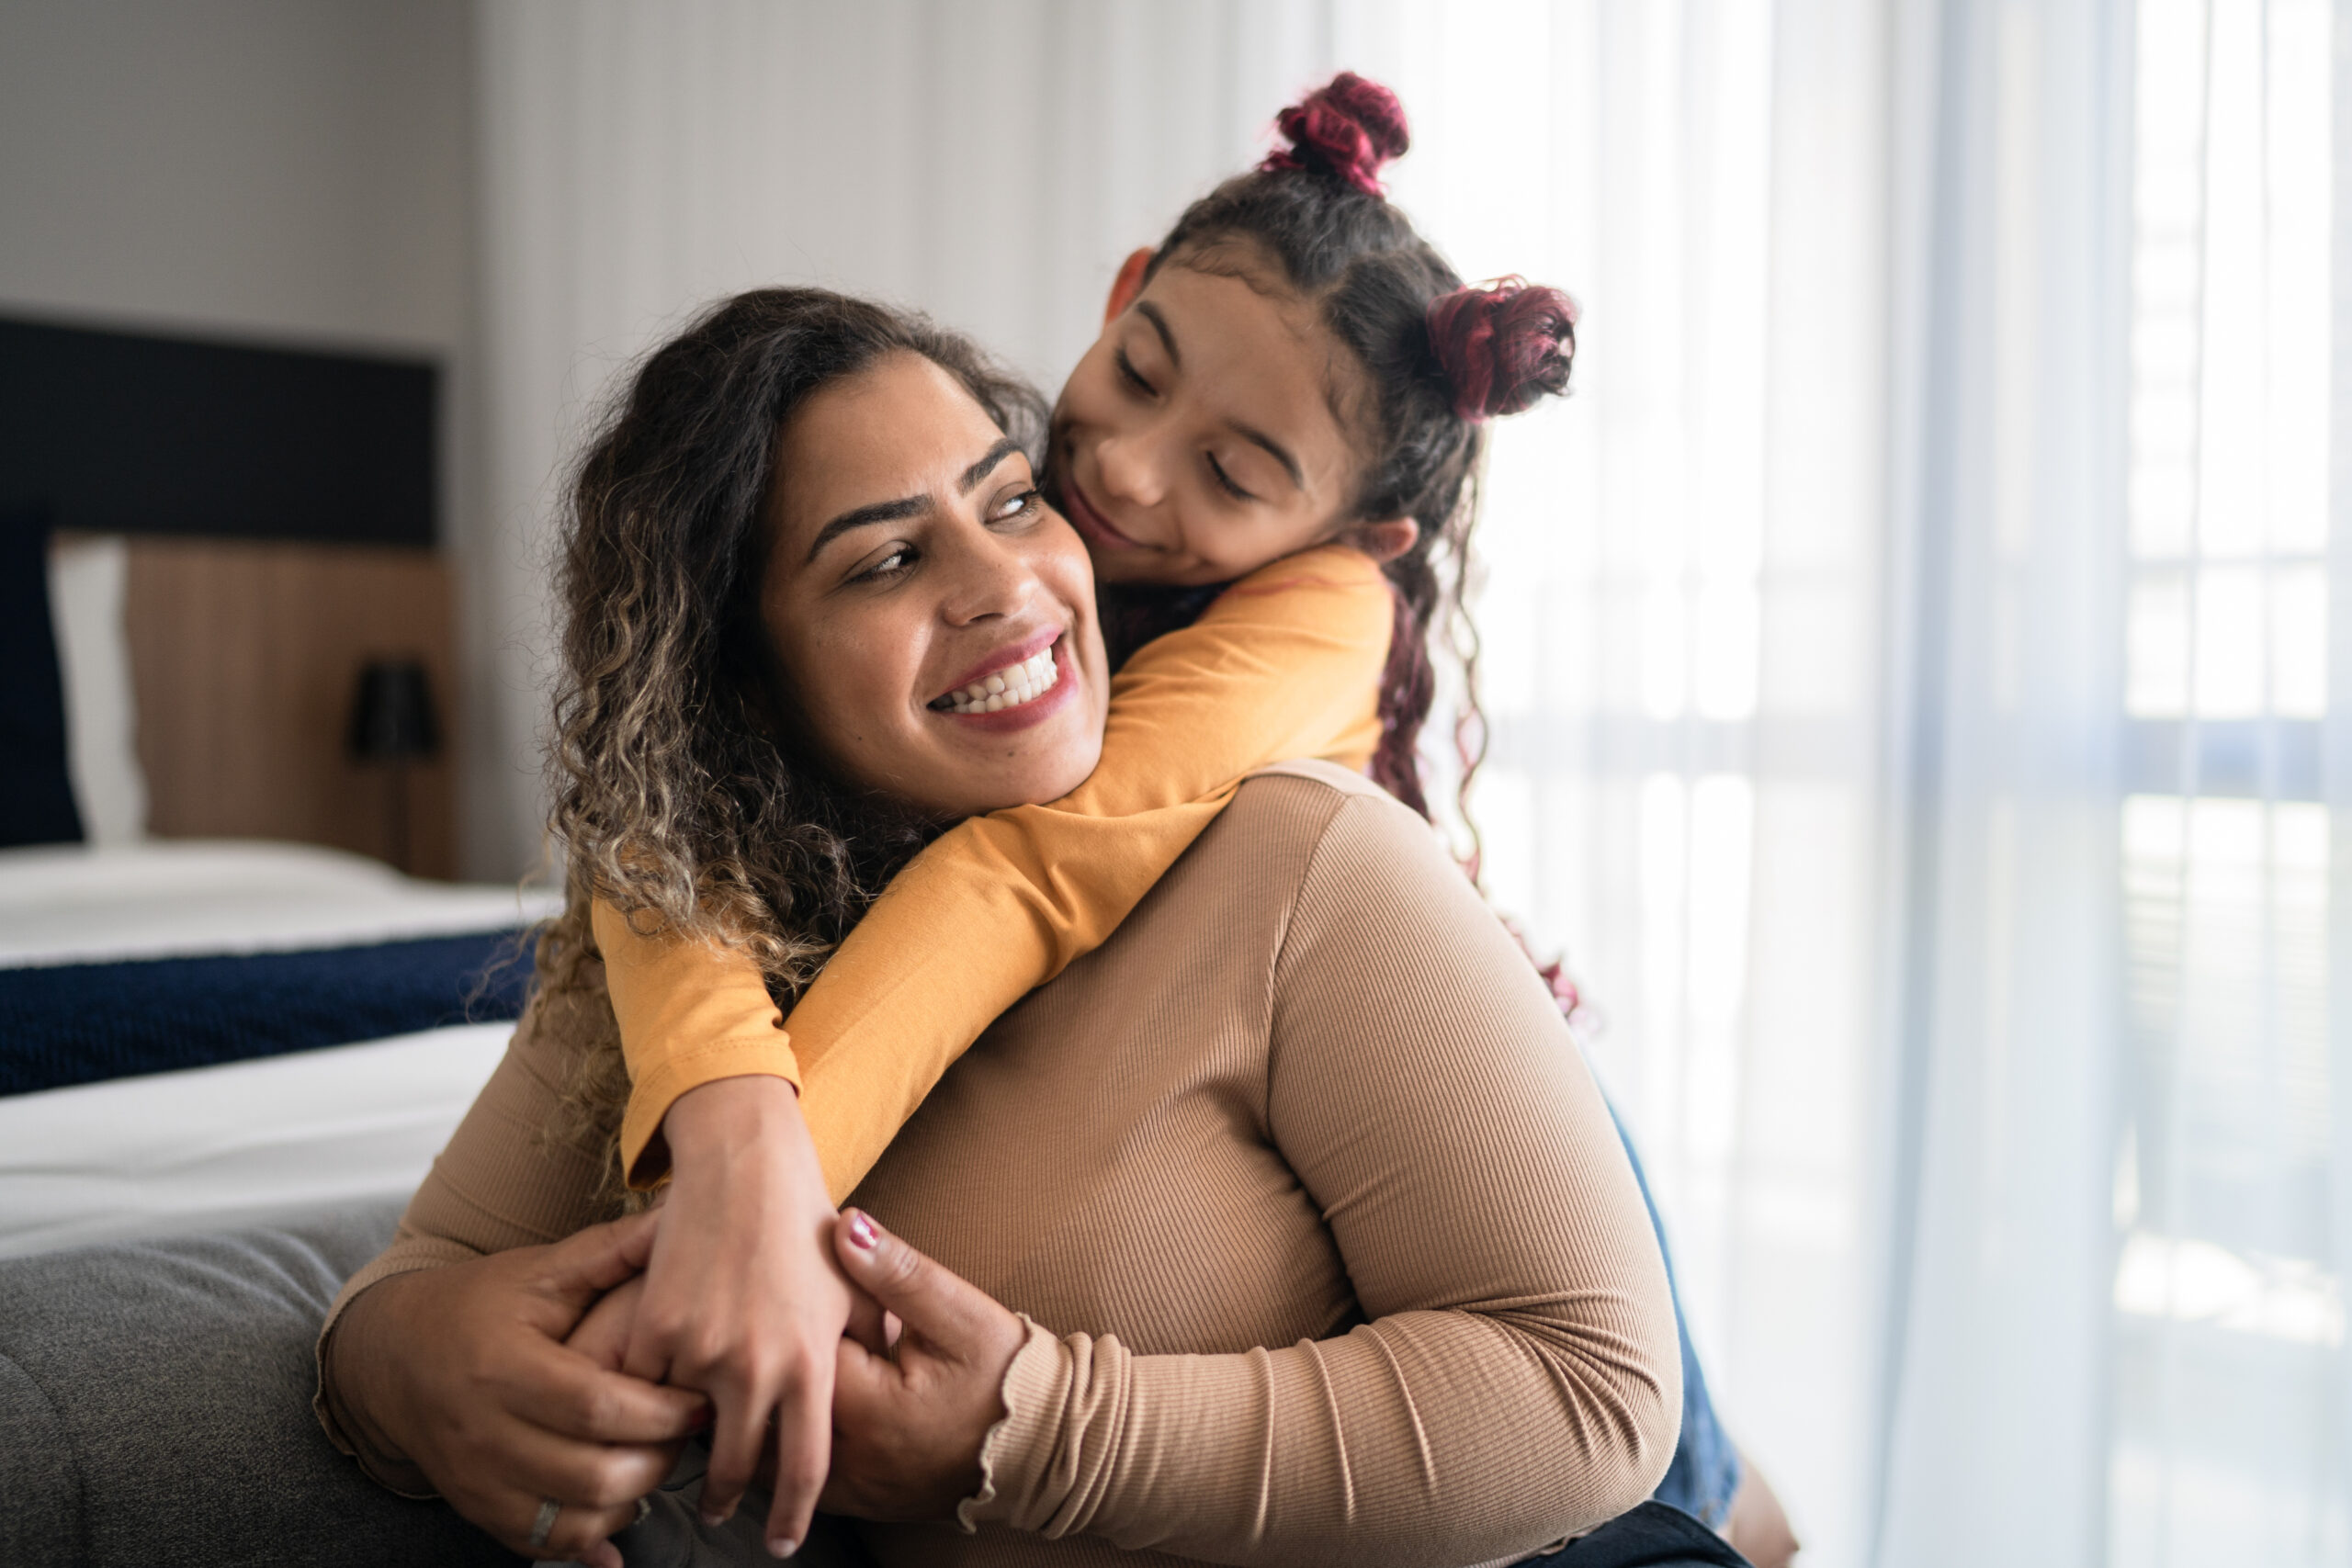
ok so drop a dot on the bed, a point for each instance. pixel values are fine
(196, 1035)
(232, 1035)
(218, 1004)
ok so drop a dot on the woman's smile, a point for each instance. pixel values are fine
(1021, 687)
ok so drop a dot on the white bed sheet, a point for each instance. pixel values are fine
(155, 898)
(213, 1146)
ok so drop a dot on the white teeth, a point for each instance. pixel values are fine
(1009, 688)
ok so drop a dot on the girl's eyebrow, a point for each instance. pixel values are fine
(1280, 453)
(1150, 310)
(912, 505)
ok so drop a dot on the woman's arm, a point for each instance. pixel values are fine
(1283, 665)
(1519, 1380)
(441, 1365)
(503, 1181)
(456, 1381)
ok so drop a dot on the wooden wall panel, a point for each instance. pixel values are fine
(245, 658)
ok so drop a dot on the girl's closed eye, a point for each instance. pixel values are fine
(1131, 376)
(1226, 481)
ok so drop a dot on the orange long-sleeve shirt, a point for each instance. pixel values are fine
(1283, 665)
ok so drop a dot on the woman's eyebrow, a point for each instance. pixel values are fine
(1005, 448)
(912, 505)
(867, 516)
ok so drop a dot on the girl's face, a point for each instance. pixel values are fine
(1211, 430)
(932, 618)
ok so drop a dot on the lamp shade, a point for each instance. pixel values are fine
(391, 717)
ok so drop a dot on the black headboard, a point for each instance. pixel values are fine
(123, 433)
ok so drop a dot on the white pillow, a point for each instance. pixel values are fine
(87, 576)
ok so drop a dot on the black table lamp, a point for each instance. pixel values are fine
(392, 723)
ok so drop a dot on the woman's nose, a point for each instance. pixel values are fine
(1131, 471)
(993, 578)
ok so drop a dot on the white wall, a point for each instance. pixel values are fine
(285, 170)
(293, 170)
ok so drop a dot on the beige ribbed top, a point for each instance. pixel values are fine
(1339, 1255)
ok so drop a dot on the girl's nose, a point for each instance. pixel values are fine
(1131, 471)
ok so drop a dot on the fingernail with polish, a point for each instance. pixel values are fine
(862, 1234)
(712, 1518)
(783, 1546)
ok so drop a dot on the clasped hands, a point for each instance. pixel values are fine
(499, 1383)
(916, 1380)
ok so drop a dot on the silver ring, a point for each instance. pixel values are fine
(644, 1510)
(544, 1526)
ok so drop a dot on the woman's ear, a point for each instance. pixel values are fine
(1384, 542)
(1129, 284)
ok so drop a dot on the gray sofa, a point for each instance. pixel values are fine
(155, 1408)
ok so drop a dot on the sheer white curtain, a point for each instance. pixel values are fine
(2116, 1324)
(1907, 655)
(2006, 720)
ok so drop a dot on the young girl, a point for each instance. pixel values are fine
(1287, 399)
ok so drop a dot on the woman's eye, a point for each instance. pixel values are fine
(1225, 480)
(891, 565)
(1128, 373)
(1016, 506)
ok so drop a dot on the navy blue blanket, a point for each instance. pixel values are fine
(84, 1022)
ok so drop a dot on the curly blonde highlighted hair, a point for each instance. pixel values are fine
(689, 794)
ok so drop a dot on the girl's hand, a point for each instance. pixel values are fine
(908, 1427)
(456, 1380)
(742, 1298)
(603, 1335)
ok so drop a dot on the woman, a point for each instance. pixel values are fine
(1310, 1085)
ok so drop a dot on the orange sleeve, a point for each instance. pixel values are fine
(690, 1012)
(1283, 665)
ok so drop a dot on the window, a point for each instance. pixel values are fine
(2229, 1311)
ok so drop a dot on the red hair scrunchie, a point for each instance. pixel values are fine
(1503, 344)
(1350, 126)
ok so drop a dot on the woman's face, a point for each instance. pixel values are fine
(931, 617)
(1208, 431)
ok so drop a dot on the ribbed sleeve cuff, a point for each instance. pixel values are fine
(404, 1258)
(1020, 1482)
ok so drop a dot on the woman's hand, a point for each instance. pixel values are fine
(908, 1427)
(457, 1379)
(742, 1298)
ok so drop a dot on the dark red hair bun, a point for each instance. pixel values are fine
(1348, 126)
(1503, 344)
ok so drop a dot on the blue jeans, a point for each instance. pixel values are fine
(1705, 1471)
(1652, 1536)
